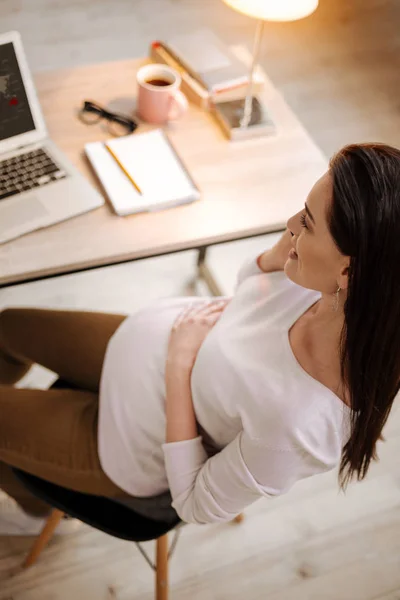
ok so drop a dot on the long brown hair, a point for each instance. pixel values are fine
(364, 221)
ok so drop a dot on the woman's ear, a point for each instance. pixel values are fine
(344, 275)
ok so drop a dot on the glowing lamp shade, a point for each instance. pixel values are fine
(274, 10)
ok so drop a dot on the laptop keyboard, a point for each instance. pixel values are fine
(27, 171)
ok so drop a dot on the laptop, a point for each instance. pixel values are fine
(38, 184)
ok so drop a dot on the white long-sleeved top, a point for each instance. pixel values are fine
(265, 423)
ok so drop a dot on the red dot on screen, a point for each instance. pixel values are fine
(13, 101)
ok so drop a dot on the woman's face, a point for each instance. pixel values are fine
(319, 264)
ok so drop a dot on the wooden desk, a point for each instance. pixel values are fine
(248, 188)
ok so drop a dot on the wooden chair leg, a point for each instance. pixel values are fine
(239, 518)
(162, 568)
(44, 538)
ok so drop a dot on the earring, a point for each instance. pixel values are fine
(335, 304)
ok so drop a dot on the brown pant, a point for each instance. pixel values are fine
(53, 433)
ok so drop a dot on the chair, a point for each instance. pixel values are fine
(105, 515)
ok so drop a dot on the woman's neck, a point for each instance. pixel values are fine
(325, 321)
(321, 331)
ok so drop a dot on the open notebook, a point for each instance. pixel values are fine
(141, 172)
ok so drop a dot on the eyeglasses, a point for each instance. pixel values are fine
(118, 125)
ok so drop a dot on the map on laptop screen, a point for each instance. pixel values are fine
(15, 114)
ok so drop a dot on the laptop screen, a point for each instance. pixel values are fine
(15, 114)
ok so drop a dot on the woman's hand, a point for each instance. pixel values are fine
(283, 246)
(275, 258)
(189, 331)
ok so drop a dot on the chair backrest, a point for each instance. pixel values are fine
(98, 512)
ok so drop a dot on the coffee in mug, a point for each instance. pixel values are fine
(159, 97)
(158, 82)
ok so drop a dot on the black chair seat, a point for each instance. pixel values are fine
(98, 512)
(102, 513)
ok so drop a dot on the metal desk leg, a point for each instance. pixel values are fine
(205, 273)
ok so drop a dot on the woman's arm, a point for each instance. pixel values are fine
(181, 420)
(203, 490)
(268, 262)
(187, 335)
(211, 490)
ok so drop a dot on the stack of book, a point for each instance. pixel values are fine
(211, 73)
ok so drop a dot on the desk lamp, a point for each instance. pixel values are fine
(248, 118)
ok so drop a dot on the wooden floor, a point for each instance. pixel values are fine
(340, 72)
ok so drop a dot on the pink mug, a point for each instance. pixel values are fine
(159, 97)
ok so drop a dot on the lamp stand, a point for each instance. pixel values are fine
(246, 118)
(248, 105)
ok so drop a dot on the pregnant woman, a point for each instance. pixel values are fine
(213, 404)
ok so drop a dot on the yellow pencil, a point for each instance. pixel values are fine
(121, 166)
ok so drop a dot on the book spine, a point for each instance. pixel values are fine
(194, 91)
(220, 121)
